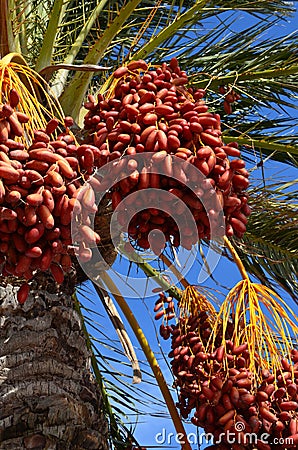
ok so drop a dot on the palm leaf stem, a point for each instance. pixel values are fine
(121, 331)
(46, 51)
(170, 30)
(236, 258)
(73, 95)
(76, 47)
(7, 42)
(21, 36)
(149, 355)
(262, 143)
(153, 273)
(97, 374)
(216, 81)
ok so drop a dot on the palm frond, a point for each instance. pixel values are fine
(262, 71)
(29, 25)
(88, 32)
(80, 82)
(46, 52)
(275, 147)
(269, 248)
(113, 372)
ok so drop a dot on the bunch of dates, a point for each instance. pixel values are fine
(40, 185)
(150, 110)
(220, 393)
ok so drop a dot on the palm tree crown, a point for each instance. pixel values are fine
(250, 82)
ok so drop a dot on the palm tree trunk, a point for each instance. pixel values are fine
(48, 399)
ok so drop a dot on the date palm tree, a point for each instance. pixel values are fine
(52, 391)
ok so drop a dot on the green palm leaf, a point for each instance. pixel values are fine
(113, 372)
(269, 248)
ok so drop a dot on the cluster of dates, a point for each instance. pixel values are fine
(230, 97)
(218, 390)
(149, 110)
(40, 184)
(46, 176)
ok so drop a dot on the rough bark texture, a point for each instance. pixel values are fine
(48, 399)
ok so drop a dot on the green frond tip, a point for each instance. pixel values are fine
(264, 143)
(269, 247)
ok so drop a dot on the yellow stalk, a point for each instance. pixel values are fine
(236, 258)
(150, 357)
(194, 302)
(251, 324)
(262, 319)
(16, 74)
